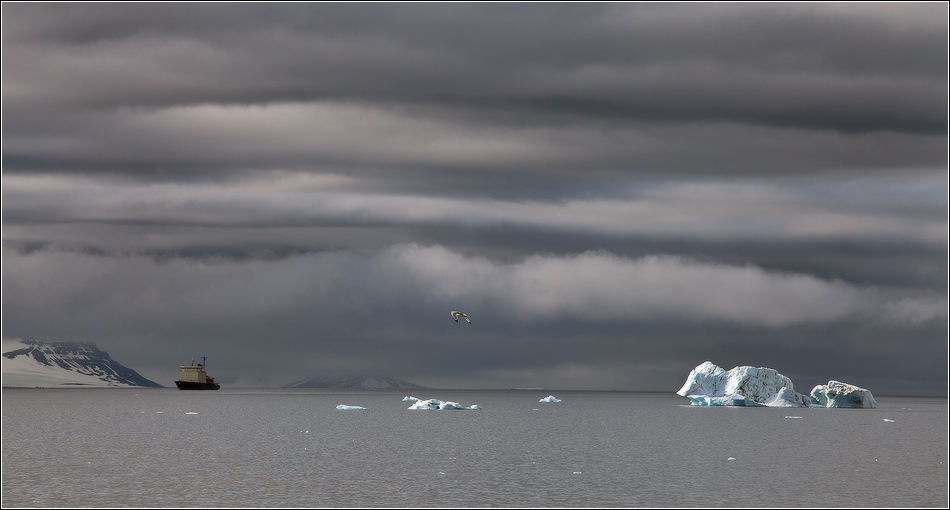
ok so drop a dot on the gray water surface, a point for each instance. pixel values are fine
(293, 448)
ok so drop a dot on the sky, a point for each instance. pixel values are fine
(614, 193)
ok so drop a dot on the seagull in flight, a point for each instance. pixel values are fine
(456, 315)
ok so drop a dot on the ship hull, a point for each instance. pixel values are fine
(184, 385)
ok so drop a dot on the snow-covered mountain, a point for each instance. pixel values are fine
(356, 381)
(32, 363)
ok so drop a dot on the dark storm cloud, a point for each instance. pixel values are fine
(791, 226)
(853, 69)
(212, 142)
(615, 192)
(472, 91)
(744, 209)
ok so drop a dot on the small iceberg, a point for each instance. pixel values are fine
(437, 404)
(550, 398)
(839, 394)
(344, 407)
(410, 399)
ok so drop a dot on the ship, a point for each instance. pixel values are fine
(194, 377)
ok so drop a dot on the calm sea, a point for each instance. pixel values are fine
(293, 448)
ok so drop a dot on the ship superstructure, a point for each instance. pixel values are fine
(194, 377)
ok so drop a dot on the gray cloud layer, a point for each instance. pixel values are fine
(858, 68)
(616, 192)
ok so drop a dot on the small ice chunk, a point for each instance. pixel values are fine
(550, 398)
(434, 403)
(190, 413)
(410, 399)
(731, 458)
(889, 421)
(344, 407)
(793, 417)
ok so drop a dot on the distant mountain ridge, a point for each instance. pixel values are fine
(33, 362)
(356, 382)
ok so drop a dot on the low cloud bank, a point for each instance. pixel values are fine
(591, 286)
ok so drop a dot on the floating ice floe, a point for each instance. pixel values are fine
(550, 398)
(889, 421)
(344, 407)
(433, 403)
(710, 385)
(410, 399)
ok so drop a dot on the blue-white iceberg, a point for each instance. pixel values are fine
(344, 407)
(550, 398)
(710, 385)
(839, 394)
(437, 404)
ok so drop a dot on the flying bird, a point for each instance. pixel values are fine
(456, 315)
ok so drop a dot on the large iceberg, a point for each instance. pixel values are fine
(437, 404)
(839, 394)
(710, 385)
